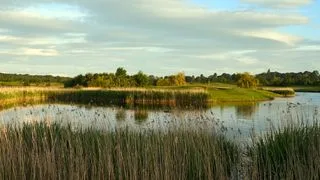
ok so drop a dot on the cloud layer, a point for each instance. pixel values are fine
(280, 3)
(158, 37)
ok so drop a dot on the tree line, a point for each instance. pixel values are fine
(26, 79)
(268, 78)
(121, 79)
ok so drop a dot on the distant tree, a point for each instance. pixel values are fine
(163, 82)
(190, 79)
(179, 79)
(247, 81)
(141, 79)
(153, 80)
(173, 80)
(121, 72)
(121, 77)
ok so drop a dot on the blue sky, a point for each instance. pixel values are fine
(159, 37)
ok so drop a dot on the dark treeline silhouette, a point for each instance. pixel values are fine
(121, 79)
(26, 79)
(289, 79)
(267, 79)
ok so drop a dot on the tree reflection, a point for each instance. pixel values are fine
(140, 115)
(246, 111)
(121, 115)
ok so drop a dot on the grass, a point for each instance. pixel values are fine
(284, 91)
(129, 97)
(307, 88)
(19, 84)
(133, 97)
(240, 95)
(222, 93)
(186, 97)
(289, 153)
(52, 151)
(43, 150)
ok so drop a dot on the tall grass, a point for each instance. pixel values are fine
(121, 97)
(53, 151)
(44, 150)
(287, 92)
(183, 99)
(289, 153)
(186, 97)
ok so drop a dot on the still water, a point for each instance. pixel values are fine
(237, 120)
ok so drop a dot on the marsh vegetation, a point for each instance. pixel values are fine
(199, 147)
(51, 151)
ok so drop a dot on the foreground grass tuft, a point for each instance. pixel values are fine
(291, 153)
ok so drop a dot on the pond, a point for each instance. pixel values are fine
(238, 121)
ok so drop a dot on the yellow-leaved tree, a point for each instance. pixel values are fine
(247, 80)
(173, 80)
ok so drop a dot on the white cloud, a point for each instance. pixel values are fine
(247, 60)
(31, 52)
(272, 35)
(280, 3)
(307, 48)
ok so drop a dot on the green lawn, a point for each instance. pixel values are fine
(239, 94)
(220, 92)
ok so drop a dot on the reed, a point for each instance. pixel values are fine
(132, 97)
(184, 97)
(52, 151)
(289, 153)
(287, 92)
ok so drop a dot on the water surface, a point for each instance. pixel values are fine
(237, 120)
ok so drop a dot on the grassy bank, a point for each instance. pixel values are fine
(224, 93)
(52, 151)
(240, 95)
(307, 88)
(283, 91)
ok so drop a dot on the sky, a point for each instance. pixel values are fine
(159, 37)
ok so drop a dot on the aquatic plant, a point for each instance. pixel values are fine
(46, 150)
(288, 153)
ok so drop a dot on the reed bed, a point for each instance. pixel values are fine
(289, 153)
(132, 98)
(120, 97)
(51, 151)
(282, 91)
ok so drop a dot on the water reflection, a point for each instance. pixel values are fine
(239, 120)
(121, 114)
(246, 111)
(140, 115)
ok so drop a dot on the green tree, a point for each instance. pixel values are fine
(121, 72)
(246, 80)
(121, 77)
(141, 79)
